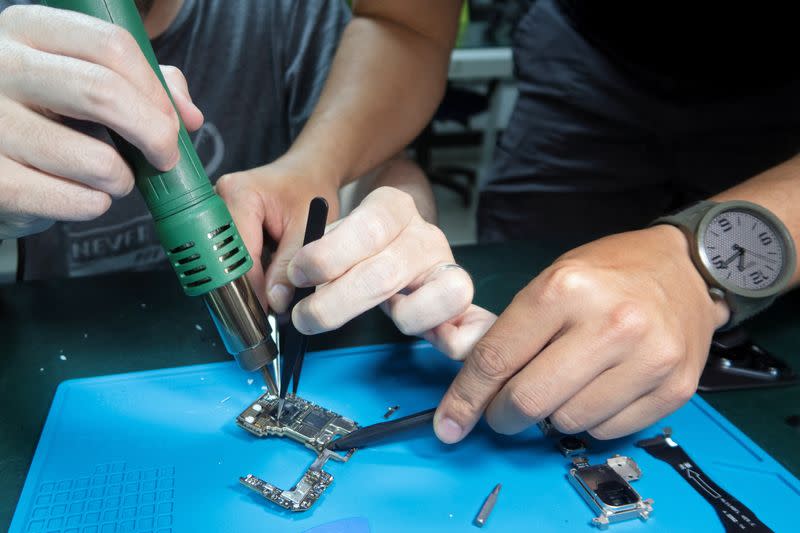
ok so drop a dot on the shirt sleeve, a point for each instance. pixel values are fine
(310, 40)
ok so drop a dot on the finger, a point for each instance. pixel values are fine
(27, 191)
(603, 398)
(367, 284)
(457, 337)
(444, 295)
(247, 211)
(648, 409)
(16, 226)
(508, 345)
(375, 223)
(279, 289)
(44, 144)
(90, 39)
(556, 374)
(87, 91)
(190, 114)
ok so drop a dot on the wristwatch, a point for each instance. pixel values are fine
(744, 253)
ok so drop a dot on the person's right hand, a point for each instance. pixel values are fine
(53, 64)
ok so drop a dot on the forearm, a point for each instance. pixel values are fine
(777, 189)
(405, 175)
(387, 78)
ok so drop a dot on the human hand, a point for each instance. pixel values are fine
(53, 64)
(610, 338)
(384, 253)
(274, 199)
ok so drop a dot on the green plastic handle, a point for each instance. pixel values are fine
(192, 222)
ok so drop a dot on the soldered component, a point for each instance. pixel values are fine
(488, 505)
(547, 428)
(606, 489)
(300, 498)
(304, 422)
(570, 445)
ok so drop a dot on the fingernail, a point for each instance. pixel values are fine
(298, 320)
(279, 297)
(448, 431)
(297, 276)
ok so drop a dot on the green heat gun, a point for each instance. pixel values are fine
(193, 224)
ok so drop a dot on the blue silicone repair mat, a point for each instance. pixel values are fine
(159, 451)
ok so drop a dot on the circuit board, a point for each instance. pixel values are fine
(304, 422)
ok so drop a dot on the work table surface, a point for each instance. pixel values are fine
(57, 330)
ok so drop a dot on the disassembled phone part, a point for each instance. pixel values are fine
(734, 515)
(570, 445)
(607, 490)
(304, 422)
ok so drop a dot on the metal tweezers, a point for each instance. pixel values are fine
(293, 343)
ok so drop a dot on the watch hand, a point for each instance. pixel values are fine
(760, 256)
(740, 265)
(731, 259)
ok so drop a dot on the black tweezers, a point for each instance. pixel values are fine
(369, 435)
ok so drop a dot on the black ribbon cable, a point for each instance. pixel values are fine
(735, 516)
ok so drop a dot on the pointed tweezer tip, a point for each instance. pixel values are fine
(280, 409)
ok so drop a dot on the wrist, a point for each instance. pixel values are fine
(677, 242)
(313, 168)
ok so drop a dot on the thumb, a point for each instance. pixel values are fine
(179, 89)
(279, 290)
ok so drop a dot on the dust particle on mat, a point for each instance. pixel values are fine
(250, 381)
(225, 399)
(143, 306)
(198, 327)
(41, 369)
(63, 357)
(85, 335)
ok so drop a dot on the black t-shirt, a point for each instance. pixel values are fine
(694, 48)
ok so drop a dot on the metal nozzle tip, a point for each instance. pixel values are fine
(269, 381)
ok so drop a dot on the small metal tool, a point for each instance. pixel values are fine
(369, 435)
(295, 343)
(488, 505)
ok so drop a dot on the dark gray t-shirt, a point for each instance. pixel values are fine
(255, 68)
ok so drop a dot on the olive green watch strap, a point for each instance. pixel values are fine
(688, 221)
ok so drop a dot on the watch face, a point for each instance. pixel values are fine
(744, 250)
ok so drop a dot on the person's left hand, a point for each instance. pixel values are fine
(610, 338)
(274, 199)
(384, 253)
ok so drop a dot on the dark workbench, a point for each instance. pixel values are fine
(140, 321)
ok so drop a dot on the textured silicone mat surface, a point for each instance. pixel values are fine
(159, 451)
